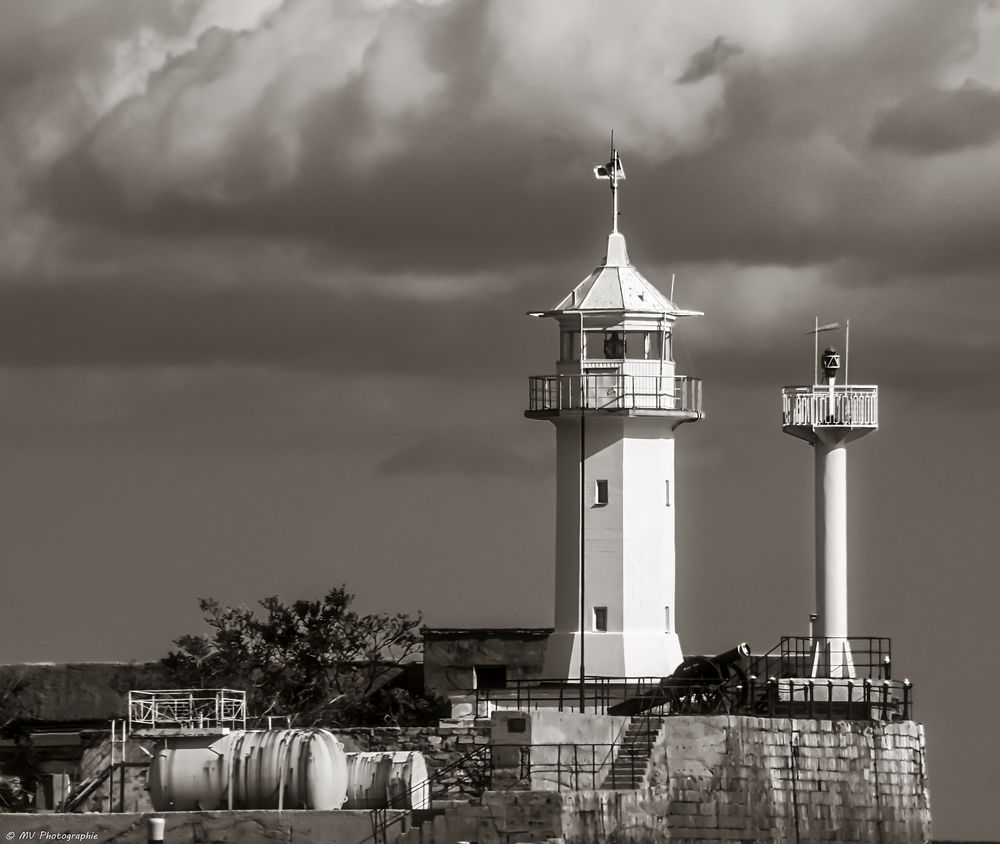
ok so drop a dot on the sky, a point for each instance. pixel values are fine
(264, 271)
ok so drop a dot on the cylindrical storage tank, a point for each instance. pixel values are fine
(288, 769)
(387, 780)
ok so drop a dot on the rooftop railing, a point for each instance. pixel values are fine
(614, 391)
(845, 406)
(204, 709)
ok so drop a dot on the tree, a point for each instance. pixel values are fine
(317, 662)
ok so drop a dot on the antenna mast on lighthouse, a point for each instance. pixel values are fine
(613, 172)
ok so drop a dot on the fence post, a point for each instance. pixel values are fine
(771, 683)
(155, 828)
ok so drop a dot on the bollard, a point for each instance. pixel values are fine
(155, 828)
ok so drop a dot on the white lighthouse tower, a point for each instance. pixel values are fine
(828, 416)
(616, 402)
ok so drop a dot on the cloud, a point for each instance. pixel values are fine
(264, 183)
(933, 122)
(709, 60)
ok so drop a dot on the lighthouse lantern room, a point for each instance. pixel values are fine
(616, 401)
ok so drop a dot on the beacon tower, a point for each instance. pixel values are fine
(828, 416)
(616, 402)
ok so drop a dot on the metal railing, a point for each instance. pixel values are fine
(615, 391)
(192, 708)
(599, 693)
(793, 657)
(844, 406)
(883, 700)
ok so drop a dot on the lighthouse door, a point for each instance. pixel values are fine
(604, 388)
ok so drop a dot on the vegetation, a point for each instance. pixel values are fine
(318, 662)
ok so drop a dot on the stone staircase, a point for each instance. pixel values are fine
(629, 767)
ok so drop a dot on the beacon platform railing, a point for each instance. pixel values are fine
(190, 708)
(615, 391)
(846, 406)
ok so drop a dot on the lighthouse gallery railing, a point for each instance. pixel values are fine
(846, 406)
(615, 391)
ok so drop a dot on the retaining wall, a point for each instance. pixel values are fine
(724, 779)
(442, 746)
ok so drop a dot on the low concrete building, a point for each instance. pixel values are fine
(460, 659)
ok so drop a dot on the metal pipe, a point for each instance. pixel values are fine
(111, 775)
(583, 508)
(121, 777)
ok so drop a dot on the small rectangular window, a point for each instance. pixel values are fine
(668, 494)
(601, 619)
(601, 492)
(653, 345)
(635, 345)
(666, 619)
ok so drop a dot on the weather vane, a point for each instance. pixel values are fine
(612, 171)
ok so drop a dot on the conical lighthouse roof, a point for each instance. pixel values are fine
(616, 285)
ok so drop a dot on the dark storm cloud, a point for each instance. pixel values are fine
(708, 60)
(459, 165)
(432, 147)
(934, 121)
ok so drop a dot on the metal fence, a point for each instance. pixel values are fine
(615, 391)
(845, 406)
(793, 656)
(191, 708)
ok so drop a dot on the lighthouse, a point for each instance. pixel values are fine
(616, 402)
(828, 416)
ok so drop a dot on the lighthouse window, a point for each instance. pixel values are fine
(666, 619)
(601, 492)
(601, 619)
(668, 494)
(642, 345)
(614, 345)
(653, 345)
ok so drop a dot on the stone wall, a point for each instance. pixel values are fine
(724, 779)
(445, 745)
(802, 780)
(451, 654)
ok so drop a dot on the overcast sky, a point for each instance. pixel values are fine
(263, 275)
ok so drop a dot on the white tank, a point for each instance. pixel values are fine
(393, 780)
(273, 769)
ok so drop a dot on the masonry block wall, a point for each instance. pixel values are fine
(444, 745)
(730, 778)
(725, 779)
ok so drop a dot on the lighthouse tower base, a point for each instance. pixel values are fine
(611, 654)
